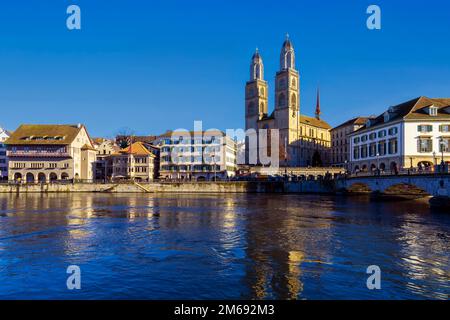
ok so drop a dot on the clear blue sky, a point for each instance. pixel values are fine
(157, 65)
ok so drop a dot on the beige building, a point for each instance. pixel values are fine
(104, 166)
(340, 141)
(135, 162)
(43, 153)
(303, 140)
(414, 135)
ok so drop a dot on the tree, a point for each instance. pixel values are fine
(124, 137)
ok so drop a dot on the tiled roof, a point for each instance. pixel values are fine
(354, 121)
(136, 148)
(414, 109)
(314, 122)
(44, 134)
(88, 147)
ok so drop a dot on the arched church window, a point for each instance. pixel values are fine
(293, 82)
(281, 100)
(282, 84)
(293, 100)
(251, 108)
(262, 106)
(290, 60)
(261, 91)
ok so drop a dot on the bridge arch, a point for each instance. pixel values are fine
(359, 187)
(405, 189)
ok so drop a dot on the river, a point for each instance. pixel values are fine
(220, 246)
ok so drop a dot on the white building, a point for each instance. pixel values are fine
(4, 135)
(414, 134)
(199, 156)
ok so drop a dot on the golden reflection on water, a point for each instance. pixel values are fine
(276, 235)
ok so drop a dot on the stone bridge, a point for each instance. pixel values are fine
(420, 185)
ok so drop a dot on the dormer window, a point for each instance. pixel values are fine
(386, 116)
(368, 123)
(433, 111)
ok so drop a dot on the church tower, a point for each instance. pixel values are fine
(287, 103)
(255, 93)
(255, 104)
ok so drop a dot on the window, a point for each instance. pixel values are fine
(364, 138)
(293, 101)
(373, 150)
(424, 128)
(424, 145)
(356, 140)
(393, 131)
(382, 134)
(251, 108)
(386, 116)
(433, 111)
(444, 145)
(281, 100)
(364, 151)
(393, 146)
(373, 136)
(444, 128)
(382, 148)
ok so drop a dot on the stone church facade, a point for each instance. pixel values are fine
(303, 141)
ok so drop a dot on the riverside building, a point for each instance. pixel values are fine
(4, 135)
(411, 135)
(47, 153)
(340, 141)
(196, 156)
(135, 162)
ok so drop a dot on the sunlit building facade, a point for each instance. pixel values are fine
(47, 153)
(198, 156)
(411, 135)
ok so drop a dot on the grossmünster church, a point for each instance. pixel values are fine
(303, 141)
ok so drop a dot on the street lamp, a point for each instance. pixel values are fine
(179, 166)
(434, 157)
(285, 156)
(213, 156)
(378, 163)
(442, 144)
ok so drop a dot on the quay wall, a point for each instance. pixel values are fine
(413, 185)
(188, 187)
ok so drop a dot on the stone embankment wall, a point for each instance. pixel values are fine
(198, 187)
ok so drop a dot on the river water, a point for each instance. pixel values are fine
(236, 246)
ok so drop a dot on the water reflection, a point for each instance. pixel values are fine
(220, 246)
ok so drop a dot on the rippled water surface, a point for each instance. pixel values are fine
(133, 246)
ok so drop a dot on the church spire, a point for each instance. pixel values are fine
(287, 55)
(257, 67)
(318, 112)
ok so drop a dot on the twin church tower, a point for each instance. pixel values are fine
(304, 141)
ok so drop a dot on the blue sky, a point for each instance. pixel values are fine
(157, 65)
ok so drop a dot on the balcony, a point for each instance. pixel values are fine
(37, 153)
